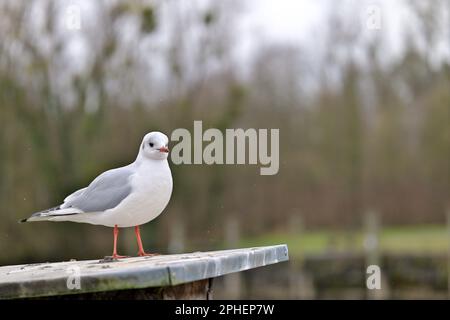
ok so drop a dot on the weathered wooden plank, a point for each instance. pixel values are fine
(197, 290)
(50, 279)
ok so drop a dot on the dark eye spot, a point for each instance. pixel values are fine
(151, 144)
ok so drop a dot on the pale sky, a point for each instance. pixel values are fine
(303, 22)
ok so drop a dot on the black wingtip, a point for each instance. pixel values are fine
(23, 220)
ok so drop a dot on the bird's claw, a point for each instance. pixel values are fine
(143, 254)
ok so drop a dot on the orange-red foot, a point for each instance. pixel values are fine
(117, 256)
(143, 254)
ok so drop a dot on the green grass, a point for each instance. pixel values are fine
(410, 239)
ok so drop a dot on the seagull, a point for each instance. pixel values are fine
(124, 197)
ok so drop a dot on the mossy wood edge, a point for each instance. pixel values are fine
(59, 278)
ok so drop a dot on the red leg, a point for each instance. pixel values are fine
(141, 252)
(116, 234)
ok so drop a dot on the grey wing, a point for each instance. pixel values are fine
(105, 192)
(74, 195)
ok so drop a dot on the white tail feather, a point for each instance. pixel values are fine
(48, 215)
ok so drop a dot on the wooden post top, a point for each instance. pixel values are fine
(76, 277)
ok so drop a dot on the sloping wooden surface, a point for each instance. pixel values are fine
(50, 279)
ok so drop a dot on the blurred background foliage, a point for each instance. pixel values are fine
(359, 130)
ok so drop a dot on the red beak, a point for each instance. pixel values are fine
(164, 149)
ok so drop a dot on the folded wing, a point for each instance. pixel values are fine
(105, 192)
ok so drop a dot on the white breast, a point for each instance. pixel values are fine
(151, 191)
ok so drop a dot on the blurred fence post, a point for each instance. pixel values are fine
(300, 284)
(372, 250)
(232, 282)
(176, 236)
(448, 251)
